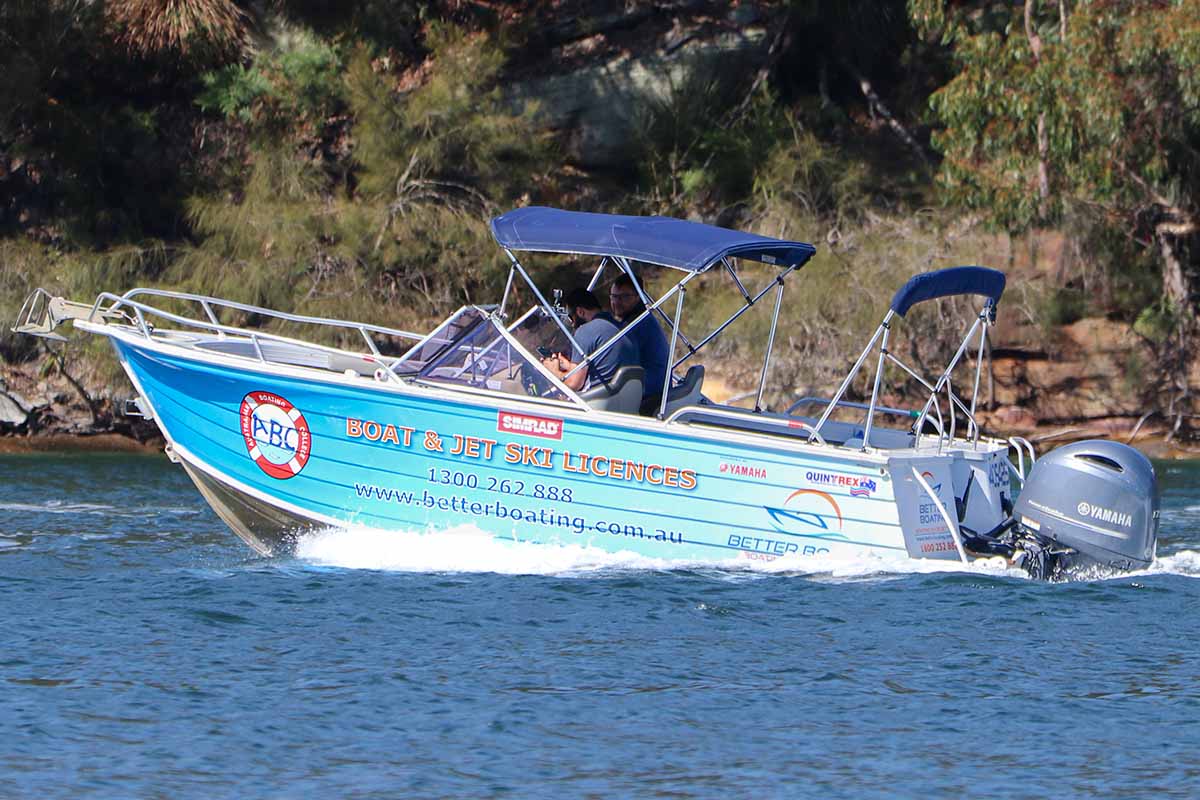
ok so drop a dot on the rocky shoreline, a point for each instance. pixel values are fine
(42, 408)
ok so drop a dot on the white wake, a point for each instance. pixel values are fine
(466, 548)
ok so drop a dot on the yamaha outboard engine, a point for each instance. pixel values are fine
(1095, 504)
(1088, 508)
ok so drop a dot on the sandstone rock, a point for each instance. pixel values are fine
(20, 400)
(12, 415)
(602, 102)
(1013, 418)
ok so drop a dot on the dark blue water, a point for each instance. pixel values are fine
(145, 652)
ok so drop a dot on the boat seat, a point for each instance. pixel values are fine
(844, 434)
(623, 393)
(363, 365)
(687, 391)
(884, 439)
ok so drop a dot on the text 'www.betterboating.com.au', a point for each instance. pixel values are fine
(496, 509)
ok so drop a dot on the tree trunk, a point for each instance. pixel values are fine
(1180, 351)
(1176, 286)
(1043, 144)
(1043, 138)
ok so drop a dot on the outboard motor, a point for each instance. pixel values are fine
(1087, 507)
(1096, 502)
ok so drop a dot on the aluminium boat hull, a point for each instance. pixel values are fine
(279, 450)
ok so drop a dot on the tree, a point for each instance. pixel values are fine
(1086, 103)
(177, 26)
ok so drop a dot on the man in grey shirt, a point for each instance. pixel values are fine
(593, 328)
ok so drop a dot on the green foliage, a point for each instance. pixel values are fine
(296, 82)
(409, 230)
(87, 141)
(1062, 306)
(453, 139)
(700, 145)
(1156, 323)
(1100, 98)
(256, 249)
(804, 178)
(232, 91)
(990, 113)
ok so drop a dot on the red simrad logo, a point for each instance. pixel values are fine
(529, 425)
(276, 434)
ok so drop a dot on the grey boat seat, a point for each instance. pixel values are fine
(885, 439)
(687, 391)
(622, 393)
(833, 432)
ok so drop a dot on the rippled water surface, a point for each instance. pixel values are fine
(145, 652)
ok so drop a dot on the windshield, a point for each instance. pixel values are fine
(481, 356)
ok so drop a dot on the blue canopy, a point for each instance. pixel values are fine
(947, 282)
(668, 242)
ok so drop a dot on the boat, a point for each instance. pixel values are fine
(355, 425)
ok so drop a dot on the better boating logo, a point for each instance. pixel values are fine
(806, 512)
(276, 434)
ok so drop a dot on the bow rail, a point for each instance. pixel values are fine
(42, 313)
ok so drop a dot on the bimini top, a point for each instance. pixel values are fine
(667, 242)
(948, 282)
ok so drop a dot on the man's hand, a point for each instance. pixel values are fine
(560, 365)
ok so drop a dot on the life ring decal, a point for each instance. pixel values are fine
(276, 434)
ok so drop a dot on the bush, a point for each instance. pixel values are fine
(294, 84)
(700, 147)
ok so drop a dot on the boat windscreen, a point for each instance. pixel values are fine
(440, 340)
(482, 357)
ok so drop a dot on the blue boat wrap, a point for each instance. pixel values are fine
(348, 451)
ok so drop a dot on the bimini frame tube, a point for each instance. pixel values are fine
(654, 307)
(945, 378)
(883, 354)
(662, 404)
(595, 279)
(624, 331)
(762, 378)
(737, 281)
(990, 311)
(542, 299)
(749, 304)
(846, 382)
(507, 287)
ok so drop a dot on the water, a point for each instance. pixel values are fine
(145, 652)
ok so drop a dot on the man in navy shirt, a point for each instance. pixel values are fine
(652, 348)
(593, 328)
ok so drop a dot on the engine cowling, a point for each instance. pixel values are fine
(1098, 498)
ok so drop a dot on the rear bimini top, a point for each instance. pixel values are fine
(666, 242)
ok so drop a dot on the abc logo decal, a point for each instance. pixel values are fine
(276, 434)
